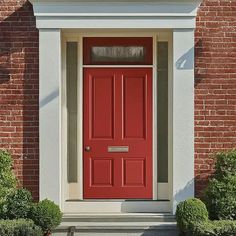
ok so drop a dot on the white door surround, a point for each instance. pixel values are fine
(73, 192)
(178, 17)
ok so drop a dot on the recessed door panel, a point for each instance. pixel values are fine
(134, 92)
(134, 172)
(102, 99)
(117, 133)
(101, 172)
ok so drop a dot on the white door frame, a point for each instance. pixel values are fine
(178, 16)
(160, 190)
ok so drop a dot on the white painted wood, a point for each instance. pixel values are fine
(170, 117)
(49, 114)
(80, 118)
(115, 22)
(118, 8)
(183, 115)
(115, 14)
(154, 120)
(163, 191)
(118, 66)
(64, 187)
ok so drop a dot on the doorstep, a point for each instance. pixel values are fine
(135, 224)
(117, 206)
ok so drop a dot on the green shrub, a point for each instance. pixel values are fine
(215, 228)
(46, 214)
(220, 195)
(19, 227)
(18, 204)
(7, 178)
(190, 212)
(220, 198)
(225, 164)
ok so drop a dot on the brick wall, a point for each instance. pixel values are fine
(19, 89)
(215, 87)
(215, 84)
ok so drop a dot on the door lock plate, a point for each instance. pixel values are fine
(118, 149)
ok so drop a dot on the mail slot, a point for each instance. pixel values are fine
(118, 149)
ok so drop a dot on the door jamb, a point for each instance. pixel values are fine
(78, 37)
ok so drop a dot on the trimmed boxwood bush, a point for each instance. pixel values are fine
(220, 198)
(190, 212)
(19, 227)
(18, 204)
(215, 228)
(46, 214)
(220, 195)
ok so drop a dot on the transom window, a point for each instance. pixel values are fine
(118, 51)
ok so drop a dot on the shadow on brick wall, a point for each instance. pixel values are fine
(19, 89)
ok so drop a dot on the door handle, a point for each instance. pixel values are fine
(87, 148)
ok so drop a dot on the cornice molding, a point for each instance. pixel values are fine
(49, 10)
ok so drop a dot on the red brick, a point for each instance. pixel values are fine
(19, 56)
(215, 64)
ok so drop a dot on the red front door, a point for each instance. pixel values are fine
(117, 133)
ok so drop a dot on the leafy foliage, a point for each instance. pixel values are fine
(220, 195)
(18, 204)
(225, 164)
(19, 227)
(189, 212)
(220, 198)
(215, 228)
(46, 214)
(7, 178)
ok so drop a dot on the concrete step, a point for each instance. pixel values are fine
(118, 217)
(117, 224)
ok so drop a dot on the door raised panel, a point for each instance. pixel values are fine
(101, 172)
(134, 172)
(102, 99)
(134, 92)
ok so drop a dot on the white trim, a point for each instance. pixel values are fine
(115, 14)
(80, 117)
(154, 119)
(64, 187)
(111, 14)
(170, 118)
(163, 191)
(117, 66)
(78, 37)
(118, 8)
(183, 115)
(115, 22)
(50, 114)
